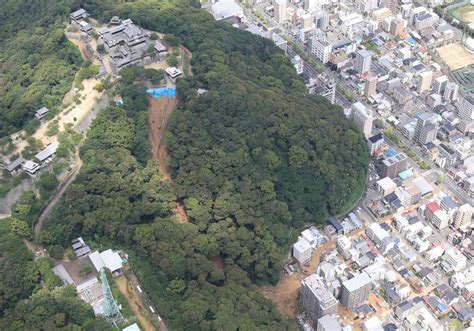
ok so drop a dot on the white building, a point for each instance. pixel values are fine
(313, 237)
(107, 259)
(31, 167)
(362, 118)
(434, 253)
(386, 186)
(343, 244)
(451, 91)
(280, 10)
(455, 259)
(321, 49)
(463, 216)
(378, 235)
(302, 251)
(439, 84)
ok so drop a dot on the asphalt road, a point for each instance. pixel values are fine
(145, 299)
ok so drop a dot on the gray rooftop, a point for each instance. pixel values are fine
(14, 164)
(47, 152)
(357, 282)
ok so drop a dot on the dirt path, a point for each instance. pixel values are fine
(189, 56)
(59, 193)
(133, 299)
(159, 113)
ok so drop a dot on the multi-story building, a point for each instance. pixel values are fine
(424, 81)
(362, 118)
(363, 61)
(386, 186)
(321, 20)
(403, 96)
(343, 244)
(324, 86)
(370, 86)
(307, 21)
(439, 84)
(426, 128)
(298, 63)
(427, 134)
(468, 186)
(440, 219)
(329, 323)
(356, 290)
(321, 48)
(394, 165)
(396, 27)
(451, 91)
(466, 109)
(454, 258)
(436, 215)
(433, 100)
(302, 251)
(375, 143)
(377, 234)
(463, 216)
(424, 20)
(280, 10)
(317, 300)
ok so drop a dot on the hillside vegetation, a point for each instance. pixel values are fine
(37, 63)
(253, 160)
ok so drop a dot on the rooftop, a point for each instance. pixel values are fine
(315, 284)
(357, 282)
(47, 152)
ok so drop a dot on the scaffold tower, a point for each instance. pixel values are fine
(111, 310)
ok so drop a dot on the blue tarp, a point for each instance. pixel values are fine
(411, 40)
(169, 92)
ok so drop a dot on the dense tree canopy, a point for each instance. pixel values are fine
(60, 309)
(37, 63)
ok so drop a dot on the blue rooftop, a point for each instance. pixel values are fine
(336, 224)
(406, 174)
(391, 153)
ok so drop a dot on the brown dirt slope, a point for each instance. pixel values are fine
(159, 113)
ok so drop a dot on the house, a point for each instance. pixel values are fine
(107, 259)
(173, 73)
(47, 152)
(31, 167)
(160, 49)
(336, 224)
(40, 113)
(80, 248)
(15, 165)
(85, 27)
(79, 15)
(62, 273)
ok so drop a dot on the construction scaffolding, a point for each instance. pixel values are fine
(111, 310)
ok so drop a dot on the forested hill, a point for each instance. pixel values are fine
(37, 63)
(256, 150)
(253, 159)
